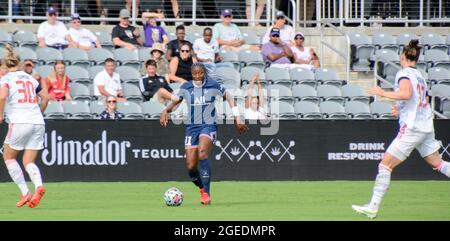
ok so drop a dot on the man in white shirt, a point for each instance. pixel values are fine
(107, 83)
(82, 37)
(207, 51)
(53, 33)
(287, 33)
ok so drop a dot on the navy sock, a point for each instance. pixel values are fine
(205, 173)
(195, 177)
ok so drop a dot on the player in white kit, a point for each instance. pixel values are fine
(20, 91)
(416, 127)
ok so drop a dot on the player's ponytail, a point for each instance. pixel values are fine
(11, 59)
(412, 51)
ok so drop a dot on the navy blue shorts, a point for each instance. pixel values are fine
(193, 133)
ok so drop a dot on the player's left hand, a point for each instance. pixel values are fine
(241, 126)
(164, 119)
(377, 90)
(394, 110)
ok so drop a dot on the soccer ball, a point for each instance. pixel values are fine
(173, 197)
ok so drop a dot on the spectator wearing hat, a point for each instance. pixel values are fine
(173, 48)
(228, 34)
(277, 53)
(53, 33)
(304, 56)
(153, 32)
(157, 54)
(155, 86)
(206, 50)
(286, 32)
(82, 37)
(124, 35)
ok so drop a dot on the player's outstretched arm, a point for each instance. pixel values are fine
(240, 125)
(164, 119)
(43, 94)
(404, 93)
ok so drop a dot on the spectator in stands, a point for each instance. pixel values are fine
(173, 47)
(180, 67)
(28, 67)
(58, 83)
(228, 34)
(157, 54)
(124, 35)
(153, 85)
(259, 10)
(286, 32)
(276, 52)
(206, 51)
(304, 56)
(175, 8)
(111, 113)
(82, 37)
(254, 104)
(53, 33)
(153, 32)
(129, 6)
(107, 82)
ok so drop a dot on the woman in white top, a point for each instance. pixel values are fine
(303, 55)
(20, 91)
(82, 37)
(253, 105)
(416, 127)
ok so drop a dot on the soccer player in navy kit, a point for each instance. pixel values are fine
(201, 128)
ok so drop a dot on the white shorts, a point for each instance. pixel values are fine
(407, 140)
(25, 136)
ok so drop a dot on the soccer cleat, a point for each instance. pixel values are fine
(366, 210)
(205, 199)
(23, 200)
(37, 196)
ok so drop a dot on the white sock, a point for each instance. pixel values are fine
(17, 175)
(444, 168)
(35, 175)
(381, 186)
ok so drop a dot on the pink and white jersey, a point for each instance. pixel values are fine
(22, 104)
(415, 113)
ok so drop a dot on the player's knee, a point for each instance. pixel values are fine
(202, 153)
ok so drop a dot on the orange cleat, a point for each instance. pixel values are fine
(205, 200)
(37, 196)
(23, 200)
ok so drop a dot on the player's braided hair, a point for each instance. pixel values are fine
(412, 51)
(11, 59)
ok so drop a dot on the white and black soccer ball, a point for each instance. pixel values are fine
(173, 197)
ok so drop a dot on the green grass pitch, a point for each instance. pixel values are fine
(325, 200)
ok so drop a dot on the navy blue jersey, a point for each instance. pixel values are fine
(201, 101)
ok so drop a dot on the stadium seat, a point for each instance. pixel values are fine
(80, 92)
(144, 54)
(98, 56)
(332, 110)
(97, 107)
(128, 74)
(48, 55)
(441, 90)
(307, 110)
(152, 110)
(230, 77)
(248, 72)
(385, 41)
(27, 53)
(132, 92)
(75, 56)
(94, 70)
(404, 38)
(232, 57)
(5, 38)
(78, 74)
(282, 110)
(385, 69)
(303, 76)
(381, 110)
(447, 41)
(191, 37)
(330, 93)
(355, 93)
(54, 110)
(180, 112)
(25, 38)
(131, 110)
(175, 85)
(237, 94)
(361, 51)
(305, 93)
(328, 76)
(251, 58)
(433, 41)
(251, 38)
(438, 75)
(44, 70)
(2, 53)
(437, 58)
(127, 57)
(279, 92)
(358, 110)
(77, 109)
(278, 76)
(105, 40)
(254, 91)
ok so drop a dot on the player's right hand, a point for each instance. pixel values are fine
(394, 110)
(241, 126)
(164, 119)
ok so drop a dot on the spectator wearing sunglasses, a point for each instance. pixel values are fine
(276, 52)
(304, 56)
(180, 67)
(111, 113)
(228, 34)
(53, 33)
(82, 37)
(286, 32)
